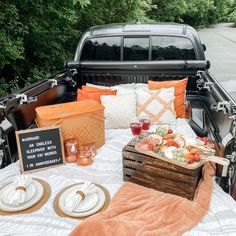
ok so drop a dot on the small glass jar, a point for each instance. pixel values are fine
(85, 156)
(71, 150)
(93, 149)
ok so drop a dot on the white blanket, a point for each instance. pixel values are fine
(106, 170)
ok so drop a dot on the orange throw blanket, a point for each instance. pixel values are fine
(140, 211)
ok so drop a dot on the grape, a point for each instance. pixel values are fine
(155, 150)
(161, 131)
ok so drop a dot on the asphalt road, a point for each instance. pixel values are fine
(220, 41)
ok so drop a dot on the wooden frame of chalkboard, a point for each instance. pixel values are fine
(40, 148)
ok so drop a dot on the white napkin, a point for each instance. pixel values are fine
(73, 199)
(20, 195)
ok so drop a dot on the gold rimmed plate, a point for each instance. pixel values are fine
(31, 198)
(89, 206)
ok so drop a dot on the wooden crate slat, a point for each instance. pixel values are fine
(146, 183)
(160, 172)
(186, 187)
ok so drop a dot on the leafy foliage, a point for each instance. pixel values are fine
(37, 36)
(110, 11)
(193, 12)
(168, 11)
(11, 34)
(232, 11)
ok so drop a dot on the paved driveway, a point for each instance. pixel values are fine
(220, 41)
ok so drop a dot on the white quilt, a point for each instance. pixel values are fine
(106, 170)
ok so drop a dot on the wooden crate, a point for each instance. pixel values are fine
(157, 174)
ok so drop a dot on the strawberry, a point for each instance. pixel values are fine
(172, 143)
(151, 147)
(196, 157)
(203, 139)
(176, 145)
(170, 131)
(190, 160)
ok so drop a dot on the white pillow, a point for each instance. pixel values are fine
(141, 85)
(123, 91)
(119, 110)
(127, 86)
(158, 104)
(121, 88)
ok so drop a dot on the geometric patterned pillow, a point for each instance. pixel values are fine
(157, 104)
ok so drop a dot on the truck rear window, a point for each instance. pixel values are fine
(172, 48)
(136, 49)
(101, 49)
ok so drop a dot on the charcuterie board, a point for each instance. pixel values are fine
(194, 165)
(187, 152)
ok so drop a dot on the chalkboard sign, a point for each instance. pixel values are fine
(40, 148)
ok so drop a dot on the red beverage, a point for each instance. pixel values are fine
(136, 128)
(146, 124)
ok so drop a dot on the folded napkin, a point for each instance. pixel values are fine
(75, 197)
(139, 211)
(20, 188)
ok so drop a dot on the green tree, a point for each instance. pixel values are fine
(51, 35)
(113, 11)
(193, 12)
(168, 11)
(198, 12)
(39, 35)
(232, 11)
(11, 34)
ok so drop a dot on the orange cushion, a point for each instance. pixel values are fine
(94, 95)
(180, 87)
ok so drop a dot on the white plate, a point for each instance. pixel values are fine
(88, 203)
(9, 191)
(100, 202)
(36, 197)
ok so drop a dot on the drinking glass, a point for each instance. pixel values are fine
(71, 150)
(146, 121)
(136, 129)
(85, 156)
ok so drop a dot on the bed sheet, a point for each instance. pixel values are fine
(106, 170)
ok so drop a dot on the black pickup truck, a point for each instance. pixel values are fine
(132, 53)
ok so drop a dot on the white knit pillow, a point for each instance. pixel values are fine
(121, 88)
(126, 86)
(141, 85)
(119, 110)
(158, 104)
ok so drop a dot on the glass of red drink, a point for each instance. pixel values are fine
(146, 121)
(136, 129)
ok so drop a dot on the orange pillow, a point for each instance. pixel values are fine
(94, 95)
(180, 87)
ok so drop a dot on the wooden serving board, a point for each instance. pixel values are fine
(194, 165)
